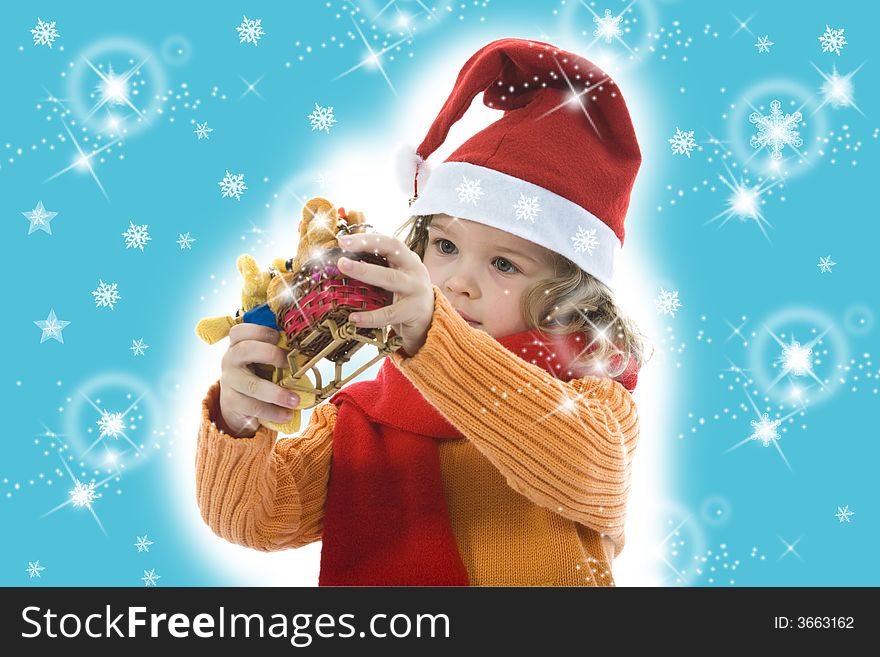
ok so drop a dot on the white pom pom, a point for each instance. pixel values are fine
(406, 162)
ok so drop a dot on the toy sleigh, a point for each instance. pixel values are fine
(308, 300)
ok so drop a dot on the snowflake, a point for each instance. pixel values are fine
(106, 295)
(202, 130)
(527, 207)
(185, 241)
(45, 33)
(83, 494)
(143, 543)
(232, 185)
(138, 347)
(34, 568)
(832, 40)
(150, 577)
(764, 44)
(111, 424)
(843, 513)
(682, 142)
(776, 130)
(765, 430)
(136, 236)
(667, 303)
(469, 191)
(322, 118)
(825, 265)
(585, 240)
(250, 31)
(608, 26)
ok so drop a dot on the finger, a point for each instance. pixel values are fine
(253, 387)
(248, 331)
(397, 313)
(248, 352)
(249, 406)
(394, 280)
(392, 249)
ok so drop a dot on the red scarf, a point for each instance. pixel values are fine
(385, 518)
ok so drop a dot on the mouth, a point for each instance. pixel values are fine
(468, 319)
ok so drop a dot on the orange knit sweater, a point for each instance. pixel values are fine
(536, 492)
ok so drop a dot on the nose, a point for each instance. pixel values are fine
(462, 281)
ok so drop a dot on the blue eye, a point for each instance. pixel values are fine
(513, 268)
(440, 243)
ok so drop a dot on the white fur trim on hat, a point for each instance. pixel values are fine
(406, 162)
(521, 208)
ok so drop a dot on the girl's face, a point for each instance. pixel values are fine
(484, 271)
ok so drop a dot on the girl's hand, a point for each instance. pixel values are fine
(245, 397)
(413, 306)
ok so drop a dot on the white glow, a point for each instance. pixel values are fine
(366, 181)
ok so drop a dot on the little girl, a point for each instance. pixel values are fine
(495, 447)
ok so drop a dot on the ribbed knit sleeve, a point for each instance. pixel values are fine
(566, 446)
(262, 492)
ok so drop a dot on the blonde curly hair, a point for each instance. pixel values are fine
(572, 301)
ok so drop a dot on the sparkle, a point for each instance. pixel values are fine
(742, 25)
(150, 577)
(797, 358)
(138, 347)
(838, 89)
(111, 424)
(373, 58)
(202, 130)
(83, 495)
(843, 513)
(789, 548)
(84, 160)
(143, 543)
(825, 265)
(113, 89)
(765, 430)
(251, 87)
(52, 327)
(34, 568)
(744, 201)
(39, 218)
(185, 241)
(764, 44)
(608, 26)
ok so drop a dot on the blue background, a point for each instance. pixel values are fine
(729, 514)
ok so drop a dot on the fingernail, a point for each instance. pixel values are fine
(345, 239)
(354, 318)
(292, 401)
(345, 263)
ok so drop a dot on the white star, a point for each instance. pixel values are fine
(34, 568)
(52, 327)
(138, 347)
(143, 544)
(843, 513)
(39, 218)
(150, 577)
(825, 265)
(185, 241)
(202, 130)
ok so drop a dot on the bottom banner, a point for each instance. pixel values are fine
(429, 620)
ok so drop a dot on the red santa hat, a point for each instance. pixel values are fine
(556, 169)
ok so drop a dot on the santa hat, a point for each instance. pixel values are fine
(556, 169)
